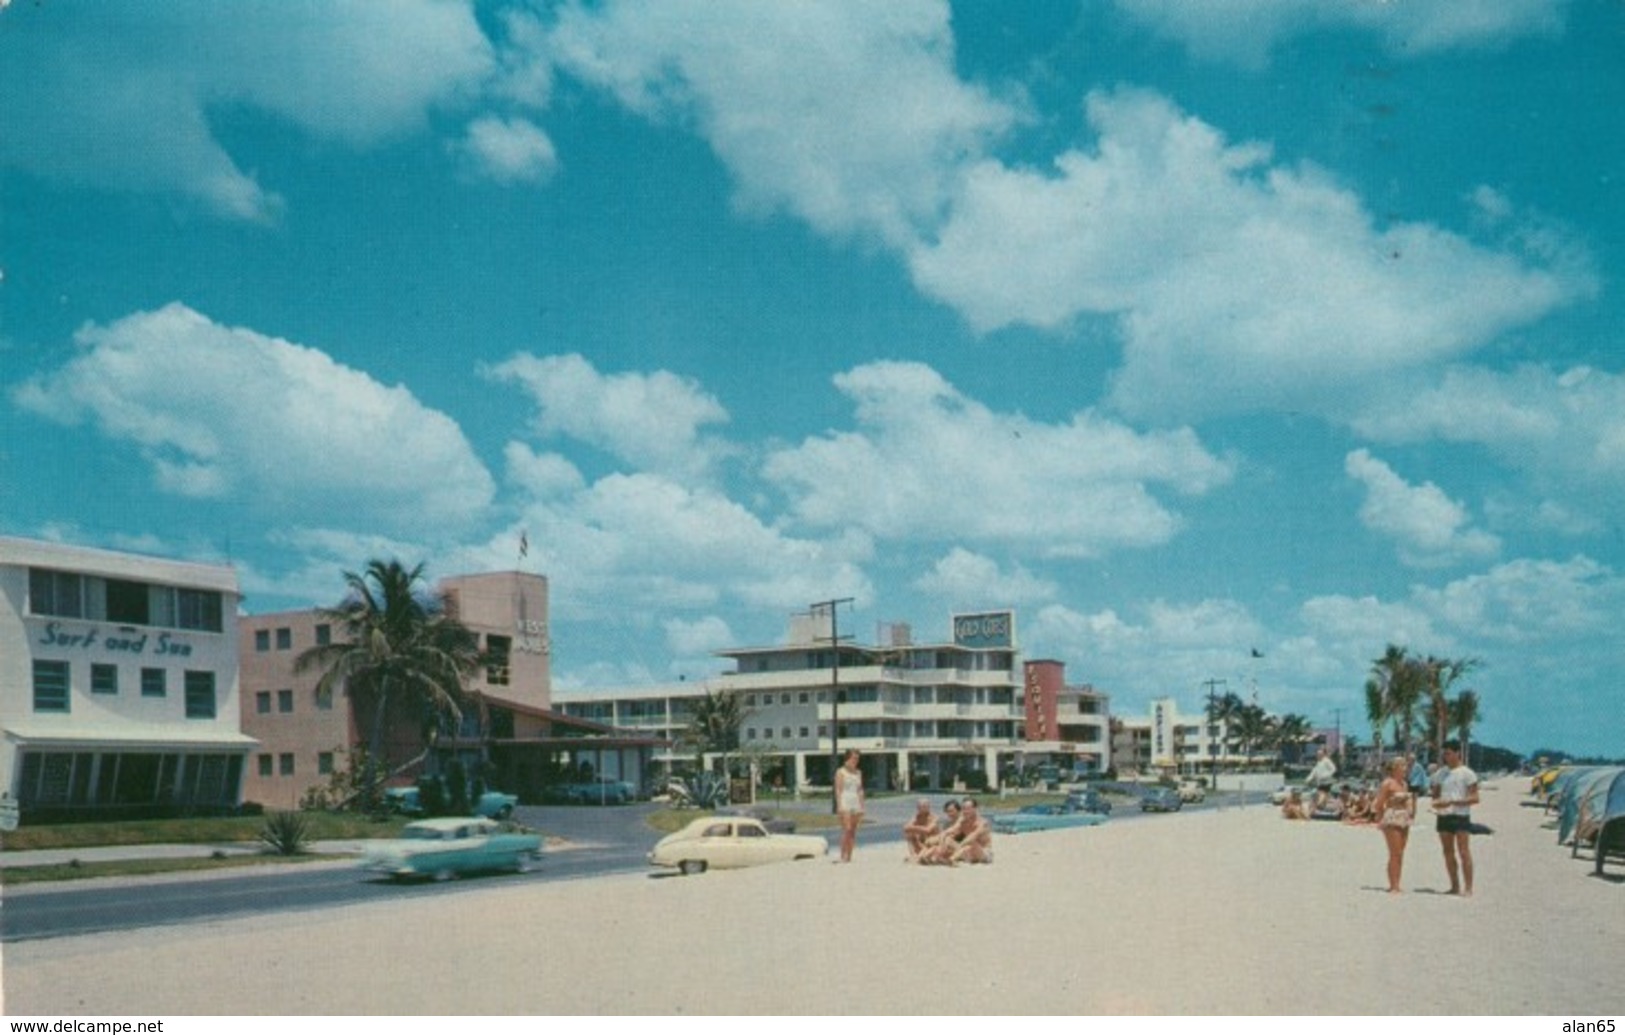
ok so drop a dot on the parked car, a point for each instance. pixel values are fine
(1192, 791)
(599, 790)
(1161, 799)
(408, 801)
(731, 842)
(1088, 799)
(443, 848)
(1047, 817)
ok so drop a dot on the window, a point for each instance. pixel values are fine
(324, 702)
(262, 640)
(750, 734)
(50, 686)
(265, 765)
(324, 635)
(56, 593)
(284, 639)
(200, 695)
(154, 682)
(284, 701)
(128, 602)
(801, 698)
(103, 679)
(803, 733)
(784, 698)
(262, 702)
(497, 650)
(197, 609)
(324, 762)
(786, 733)
(284, 764)
(750, 700)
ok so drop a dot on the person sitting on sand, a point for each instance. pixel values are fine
(937, 847)
(1293, 807)
(976, 840)
(917, 831)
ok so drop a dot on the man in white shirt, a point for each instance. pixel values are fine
(1458, 793)
(1321, 777)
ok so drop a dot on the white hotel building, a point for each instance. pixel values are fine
(118, 682)
(922, 714)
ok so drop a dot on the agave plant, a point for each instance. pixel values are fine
(285, 833)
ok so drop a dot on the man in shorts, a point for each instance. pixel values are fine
(919, 830)
(1458, 793)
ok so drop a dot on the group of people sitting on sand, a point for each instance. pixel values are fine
(962, 835)
(1347, 805)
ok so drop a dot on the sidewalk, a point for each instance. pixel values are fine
(121, 853)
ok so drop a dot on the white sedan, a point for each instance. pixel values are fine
(729, 842)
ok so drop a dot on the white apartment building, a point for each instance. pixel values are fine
(118, 683)
(1168, 740)
(923, 714)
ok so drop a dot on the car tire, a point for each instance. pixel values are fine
(691, 867)
(524, 862)
(442, 875)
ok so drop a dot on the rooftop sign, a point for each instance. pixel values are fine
(989, 630)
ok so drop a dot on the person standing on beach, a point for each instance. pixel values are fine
(1458, 793)
(1396, 810)
(849, 803)
(1321, 777)
(1418, 778)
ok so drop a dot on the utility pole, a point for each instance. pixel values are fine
(832, 606)
(1337, 714)
(1212, 751)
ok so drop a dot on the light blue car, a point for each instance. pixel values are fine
(1046, 817)
(440, 849)
(492, 804)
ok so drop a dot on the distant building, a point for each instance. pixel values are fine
(1071, 725)
(118, 683)
(925, 715)
(1168, 740)
(508, 722)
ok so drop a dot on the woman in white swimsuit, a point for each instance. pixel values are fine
(1395, 809)
(849, 802)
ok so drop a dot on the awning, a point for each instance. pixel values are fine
(128, 736)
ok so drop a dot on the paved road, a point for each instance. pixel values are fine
(602, 841)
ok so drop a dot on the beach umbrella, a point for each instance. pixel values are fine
(1611, 824)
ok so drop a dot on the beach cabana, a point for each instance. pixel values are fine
(1611, 823)
(1563, 789)
(1583, 803)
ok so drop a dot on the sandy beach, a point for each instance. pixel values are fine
(1233, 912)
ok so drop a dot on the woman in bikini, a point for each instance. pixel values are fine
(1395, 809)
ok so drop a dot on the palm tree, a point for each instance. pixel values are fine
(1252, 726)
(1376, 713)
(1464, 712)
(397, 654)
(1293, 729)
(1403, 681)
(715, 723)
(1223, 711)
(1442, 674)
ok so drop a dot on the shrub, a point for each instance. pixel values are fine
(285, 833)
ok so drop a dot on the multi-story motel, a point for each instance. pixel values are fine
(508, 723)
(118, 683)
(1069, 726)
(1171, 742)
(923, 714)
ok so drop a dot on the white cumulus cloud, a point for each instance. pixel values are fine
(222, 412)
(652, 421)
(926, 462)
(967, 580)
(510, 151)
(132, 85)
(1429, 528)
(1247, 30)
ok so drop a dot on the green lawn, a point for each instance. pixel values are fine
(324, 826)
(14, 875)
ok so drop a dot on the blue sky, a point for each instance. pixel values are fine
(1185, 330)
